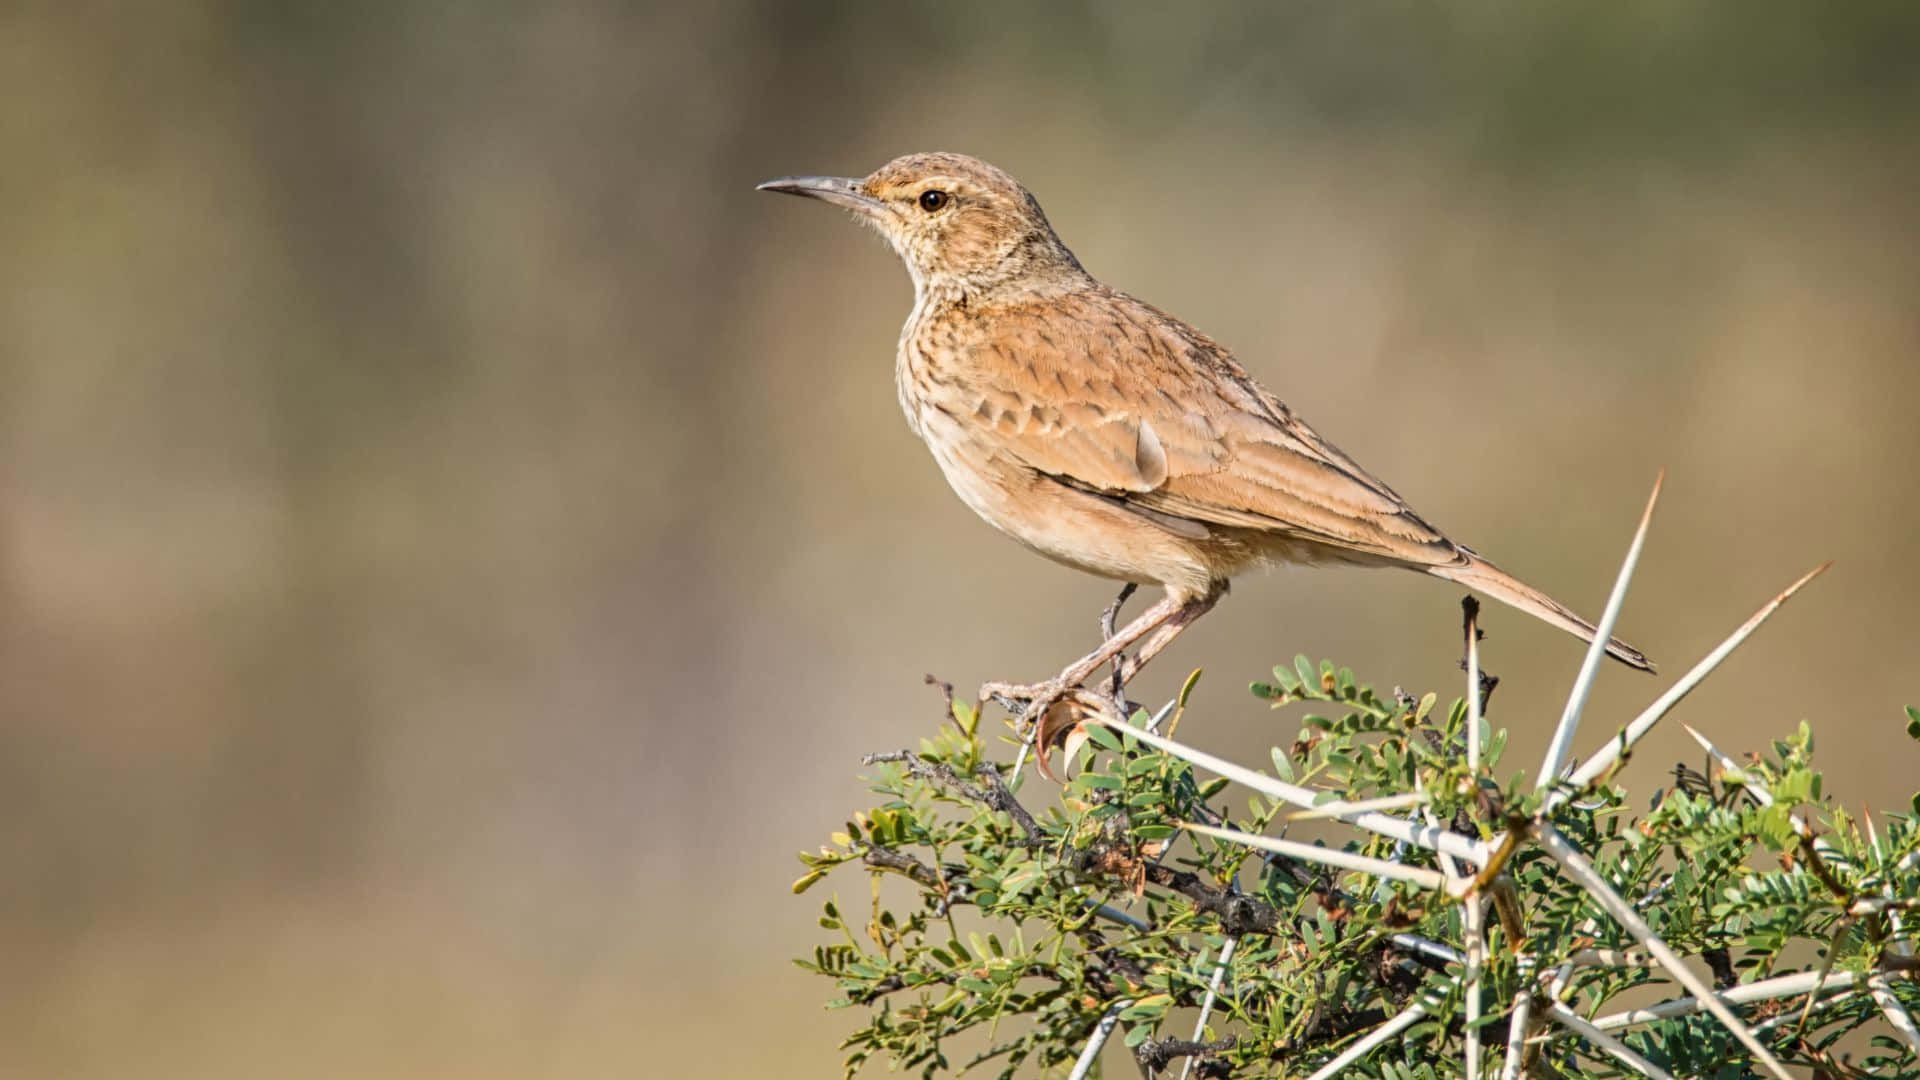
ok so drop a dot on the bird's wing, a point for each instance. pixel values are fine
(1107, 394)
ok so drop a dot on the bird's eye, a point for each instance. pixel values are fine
(933, 200)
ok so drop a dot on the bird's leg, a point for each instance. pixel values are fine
(1032, 700)
(1163, 636)
(1107, 617)
(1034, 706)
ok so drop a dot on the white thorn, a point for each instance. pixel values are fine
(1582, 872)
(1562, 743)
(1366, 1046)
(1572, 1022)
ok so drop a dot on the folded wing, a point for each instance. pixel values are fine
(1157, 416)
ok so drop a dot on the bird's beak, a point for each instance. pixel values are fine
(838, 190)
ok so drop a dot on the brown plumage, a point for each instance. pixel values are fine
(1108, 435)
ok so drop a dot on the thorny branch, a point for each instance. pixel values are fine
(993, 794)
(886, 858)
(1238, 912)
(1470, 624)
(1155, 1054)
(1121, 972)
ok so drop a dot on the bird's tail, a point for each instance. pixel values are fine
(1482, 576)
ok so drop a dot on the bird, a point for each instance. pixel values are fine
(1110, 436)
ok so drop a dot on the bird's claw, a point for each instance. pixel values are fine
(1026, 702)
(1052, 712)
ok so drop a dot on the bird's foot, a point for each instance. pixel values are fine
(1026, 702)
(1052, 713)
(1023, 701)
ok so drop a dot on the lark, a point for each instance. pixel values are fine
(1108, 435)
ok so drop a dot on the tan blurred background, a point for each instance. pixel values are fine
(456, 537)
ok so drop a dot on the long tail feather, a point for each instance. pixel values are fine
(1482, 576)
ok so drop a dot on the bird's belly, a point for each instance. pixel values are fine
(1068, 526)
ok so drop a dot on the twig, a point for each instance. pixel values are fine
(1108, 911)
(885, 858)
(993, 795)
(1118, 688)
(1112, 612)
(881, 857)
(1238, 913)
(1156, 1054)
(946, 693)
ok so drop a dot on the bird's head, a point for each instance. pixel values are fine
(959, 223)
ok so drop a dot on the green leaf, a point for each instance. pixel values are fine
(1016, 883)
(805, 881)
(1186, 688)
(1151, 1007)
(1913, 722)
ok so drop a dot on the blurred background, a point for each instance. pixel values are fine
(457, 538)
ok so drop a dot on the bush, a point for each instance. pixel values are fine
(1146, 888)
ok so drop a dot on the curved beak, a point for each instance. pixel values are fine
(838, 190)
